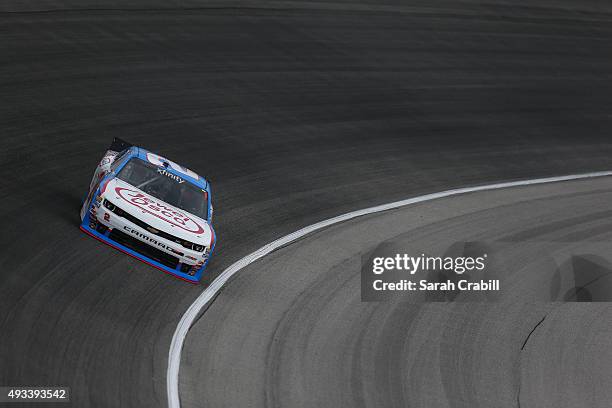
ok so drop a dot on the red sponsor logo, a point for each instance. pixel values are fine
(160, 210)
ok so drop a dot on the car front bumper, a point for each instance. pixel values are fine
(109, 232)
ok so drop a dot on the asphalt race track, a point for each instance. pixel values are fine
(315, 343)
(296, 111)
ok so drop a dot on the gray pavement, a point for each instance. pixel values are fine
(296, 113)
(291, 329)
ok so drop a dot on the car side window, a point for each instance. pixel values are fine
(118, 159)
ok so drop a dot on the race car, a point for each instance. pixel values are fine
(152, 209)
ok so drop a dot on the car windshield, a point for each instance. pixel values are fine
(162, 184)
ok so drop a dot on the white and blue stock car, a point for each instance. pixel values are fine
(152, 209)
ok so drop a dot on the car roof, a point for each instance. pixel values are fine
(173, 167)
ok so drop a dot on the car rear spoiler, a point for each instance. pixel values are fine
(119, 145)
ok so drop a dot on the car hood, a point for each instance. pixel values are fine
(158, 214)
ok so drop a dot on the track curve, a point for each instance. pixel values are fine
(292, 330)
(195, 310)
(296, 114)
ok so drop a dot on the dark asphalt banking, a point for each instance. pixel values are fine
(297, 112)
(291, 329)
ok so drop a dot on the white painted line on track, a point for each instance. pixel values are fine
(174, 355)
